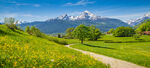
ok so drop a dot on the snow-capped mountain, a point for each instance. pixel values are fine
(86, 15)
(61, 23)
(139, 20)
(64, 17)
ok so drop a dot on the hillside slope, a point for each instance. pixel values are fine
(18, 49)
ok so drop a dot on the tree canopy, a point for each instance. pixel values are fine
(81, 32)
(111, 31)
(124, 32)
(69, 33)
(11, 23)
(145, 26)
(94, 33)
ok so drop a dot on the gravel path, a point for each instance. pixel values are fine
(114, 63)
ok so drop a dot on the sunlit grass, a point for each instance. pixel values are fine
(138, 52)
(20, 50)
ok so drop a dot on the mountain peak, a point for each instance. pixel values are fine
(63, 17)
(139, 20)
(85, 15)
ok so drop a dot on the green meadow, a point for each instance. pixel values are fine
(30, 48)
(21, 50)
(124, 48)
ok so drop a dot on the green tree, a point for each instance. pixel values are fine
(145, 26)
(81, 32)
(69, 32)
(111, 31)
(27, 30)
(124, 32)
(94, 33)
(11, 23)
(35, 31)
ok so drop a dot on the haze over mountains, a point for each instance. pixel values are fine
(61, 23)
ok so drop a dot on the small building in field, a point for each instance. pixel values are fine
(146, 32)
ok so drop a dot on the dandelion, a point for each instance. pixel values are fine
(15, 64)
(20, 59)
(2, 64)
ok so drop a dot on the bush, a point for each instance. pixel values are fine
(57, 40)
(124, 32)
(34, 31)
(111, 31)
(145, 26)
(94, 33)
(69, 33)
(11, 23)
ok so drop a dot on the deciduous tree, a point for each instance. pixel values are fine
(81, 32)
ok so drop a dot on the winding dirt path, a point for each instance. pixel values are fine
(114, 63)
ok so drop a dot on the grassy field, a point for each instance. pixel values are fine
(136, 52)
(20, 50)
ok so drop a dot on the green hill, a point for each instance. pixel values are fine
(18, 49)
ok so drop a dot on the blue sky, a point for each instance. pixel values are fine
(40, 10)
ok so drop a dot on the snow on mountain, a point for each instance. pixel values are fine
(64, 17)
(139, 20)
(86, 15)
(61, 23)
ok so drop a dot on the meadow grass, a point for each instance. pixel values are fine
(20, 50)
(138, 53)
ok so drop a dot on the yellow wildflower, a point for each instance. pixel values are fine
(15, 64)
(2, 64)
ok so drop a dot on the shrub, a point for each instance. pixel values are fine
(124, 32)
(69, 32)
(94, 33)
(34, 31)
(27, 30)
(57, 40)
(11, 23)
(111, 31)
(145, 26)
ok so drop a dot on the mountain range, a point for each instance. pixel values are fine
(139, 20)
(61, 23)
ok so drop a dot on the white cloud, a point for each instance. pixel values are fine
(25, 4)
(128, 17)
(23, 17)
(81, 2)
(10, 15)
